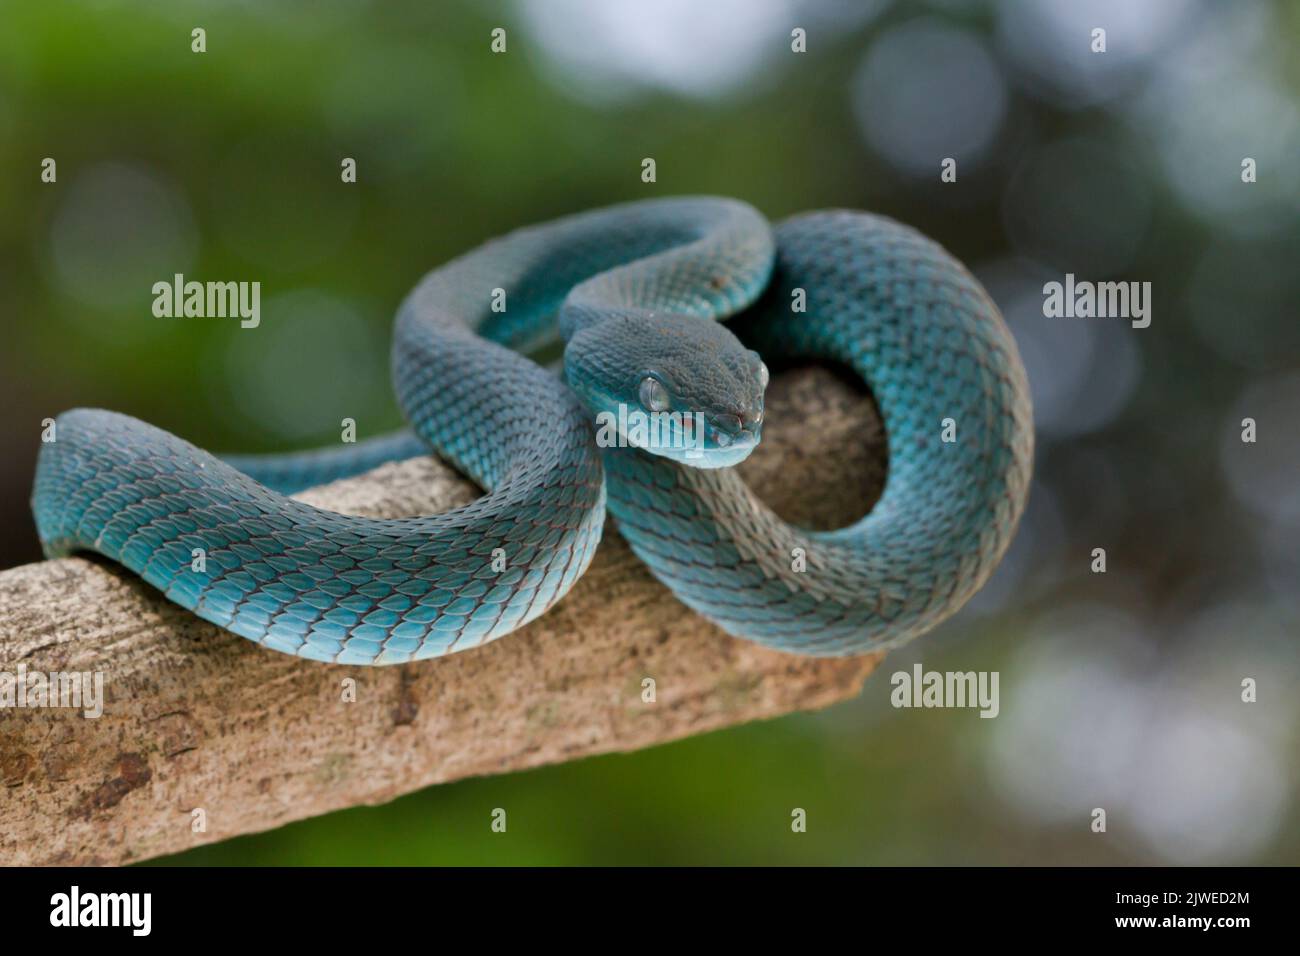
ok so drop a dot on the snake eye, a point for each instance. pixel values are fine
(653, 395)
(763, 374)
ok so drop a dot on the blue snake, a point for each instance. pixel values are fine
(658, 399)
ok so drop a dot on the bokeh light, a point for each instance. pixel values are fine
(119, 229)
(1082, 372)
(605, 52)
(1265, 474)
(1099, 720)
(1219, 97)
(1050, 45)
(915, 118)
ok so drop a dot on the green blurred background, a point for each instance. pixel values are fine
(1119, 690)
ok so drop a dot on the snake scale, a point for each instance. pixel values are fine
(635, 293)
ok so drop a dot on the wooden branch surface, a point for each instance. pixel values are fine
(197, 718)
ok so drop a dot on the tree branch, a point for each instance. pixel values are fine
(197, 719)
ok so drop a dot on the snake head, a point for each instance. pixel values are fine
(678, 386)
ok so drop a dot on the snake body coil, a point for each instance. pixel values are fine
(634, 291)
